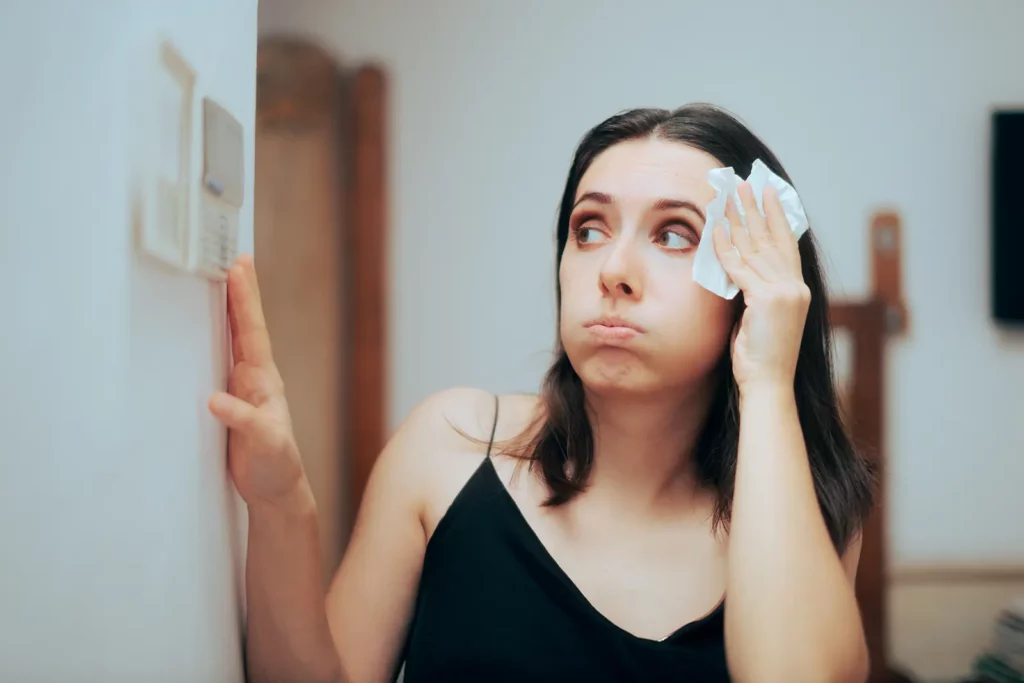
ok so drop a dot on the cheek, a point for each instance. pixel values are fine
(565, 286)
(717, 311)
(700, 321)
(571, 280)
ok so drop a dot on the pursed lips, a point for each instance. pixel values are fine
(613, 329)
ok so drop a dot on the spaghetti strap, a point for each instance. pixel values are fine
(494, 427)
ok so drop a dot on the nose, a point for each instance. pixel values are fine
(621, 274)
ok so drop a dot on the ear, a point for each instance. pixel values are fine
(851, 558)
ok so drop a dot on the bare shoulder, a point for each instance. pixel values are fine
(452, 417)
(455, 421)
(444, 440)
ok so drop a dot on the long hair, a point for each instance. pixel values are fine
(561, 443)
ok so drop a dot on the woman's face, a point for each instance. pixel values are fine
(632, 317)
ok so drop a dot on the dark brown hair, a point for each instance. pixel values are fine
(560, 442)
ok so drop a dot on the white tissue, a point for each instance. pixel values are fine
(707, 270)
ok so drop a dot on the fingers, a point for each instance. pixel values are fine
(248, 324)
(236, 349)
(249, 267)
(737, 232)
(767, 246)
(757, 226)
(233, 412)
(782, 232)
(778, 224)
(734, 265)
(765, 250)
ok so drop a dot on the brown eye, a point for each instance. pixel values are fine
(588, 234)
(676, 238)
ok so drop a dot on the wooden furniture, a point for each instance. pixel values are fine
(320, 235)
(867, 325)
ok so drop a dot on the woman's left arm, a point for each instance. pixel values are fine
(791, 612)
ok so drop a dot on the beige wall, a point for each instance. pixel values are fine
(942, 618)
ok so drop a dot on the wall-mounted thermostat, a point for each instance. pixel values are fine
(222, 193)
(194, 229)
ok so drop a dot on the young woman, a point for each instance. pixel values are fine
(680, 503)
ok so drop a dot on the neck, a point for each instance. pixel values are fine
(643, 445)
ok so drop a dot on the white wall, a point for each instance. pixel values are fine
(869, 105)
(122, 540)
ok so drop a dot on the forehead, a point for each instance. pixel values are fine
(650, 169)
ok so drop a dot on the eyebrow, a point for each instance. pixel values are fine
(660, 205)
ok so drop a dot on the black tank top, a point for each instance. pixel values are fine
(494, 606)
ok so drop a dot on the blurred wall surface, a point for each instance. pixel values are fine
(122, 539)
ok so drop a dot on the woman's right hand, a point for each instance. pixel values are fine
(263, 458)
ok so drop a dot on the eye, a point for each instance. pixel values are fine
(676, 237)
(587, 234)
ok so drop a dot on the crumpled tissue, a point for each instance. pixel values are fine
(707, 270)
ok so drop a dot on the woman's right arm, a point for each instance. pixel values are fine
(287, 636)
(293, 633)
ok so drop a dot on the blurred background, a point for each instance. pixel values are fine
(400, 169)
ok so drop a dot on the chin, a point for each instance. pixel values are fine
(634, 371)
(611, 370)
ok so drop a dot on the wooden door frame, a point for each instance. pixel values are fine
(367, 202)
(358, 95)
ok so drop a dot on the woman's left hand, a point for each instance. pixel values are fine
(765, 265)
